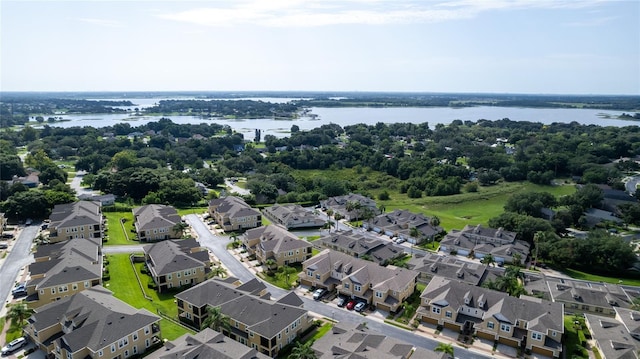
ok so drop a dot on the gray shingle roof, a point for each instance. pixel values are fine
(75, 214)
(155, 216)
(205, 344)
(617, 338)
(233, 207)
(175, 255)
(92, 318)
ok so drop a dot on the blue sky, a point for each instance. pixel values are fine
(490, 46)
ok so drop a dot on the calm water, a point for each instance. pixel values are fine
(354, 115)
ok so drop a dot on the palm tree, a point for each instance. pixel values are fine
(218, 271)
(415, 233)
(367, 214)
(435, 221)
(382, 208)
(445, 348)
(488, 260)
(216, 320)
(270, 263)
(516, 259)
(18, 313)
(179, 228)
(338, 217)
(303, 351)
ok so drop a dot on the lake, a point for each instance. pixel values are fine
(345, 116)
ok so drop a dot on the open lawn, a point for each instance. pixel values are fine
(281, 279)
(114, 228)
(124, 285)
(572, 338)
(192, 210)
(597, 278)
(454, 211)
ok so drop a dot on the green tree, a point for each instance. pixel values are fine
(124, 159)
(270, 264)
(179, 228)
(303, 351)
(488, 260)
(19, 313)
(218, 271)
(445, 348)
(216, 320)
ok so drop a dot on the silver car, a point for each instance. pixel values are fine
(14, 345)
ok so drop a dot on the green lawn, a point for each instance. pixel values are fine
(597, 278)
(124, 285)
(571, 337)
(279, 279)
(193, 210)
(320, 332)
(114, 228)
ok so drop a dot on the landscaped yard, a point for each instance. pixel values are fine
(124, 285)
(572, 337)
(282, 277)
(114, 228)
(597, 278)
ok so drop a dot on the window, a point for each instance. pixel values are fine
(113, 348)
(100, 353)
(490, 325)
(435, 309)
(146, 330)
(357, 287)
(179, 274)
(86, 284)
(69, 356)
(74, 286)
(448, 314)
(318, 276)
(279, 335)
(536, 336)
(135, 336)
(147, 343)
(126, 353)
(41, 291)
(505, 327)
(135, 349)
(346, 286)
(122, 342)
(553, 333)
(378, 294)
(169, 276)
(53, 290)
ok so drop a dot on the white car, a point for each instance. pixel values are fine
(14, 345)
(319, 293)
(360, 306)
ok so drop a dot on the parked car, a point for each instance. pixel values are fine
(20, 289)
(28, 221)
(319, 293)
(351, 304)
(4, 245)
(342, 301)
(7, 235)
(14, 345)
(360, 306)
(401, 240)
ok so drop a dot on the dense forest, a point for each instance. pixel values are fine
(160, 162)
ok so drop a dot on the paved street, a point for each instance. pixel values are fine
(217, 245)
(18, 257)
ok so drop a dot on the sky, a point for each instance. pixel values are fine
(477, 46)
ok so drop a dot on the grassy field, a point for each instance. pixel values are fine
(192, 210)
(279, 279)
(125, 287)
(571, 337)
(115, 232)
(454, 211)
(597, 278)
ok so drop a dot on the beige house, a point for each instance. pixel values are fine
(177, 263)
(233, 213)
(275, 242)
(260, 324)
(588, 297)
(293, 216)
(156, 222)
(205, 344)
(381, 287)
(82, 219)
(529, 323)
(93, 324)
(618, 337)
(64, 269)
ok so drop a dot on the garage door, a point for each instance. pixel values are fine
(543, 351)
(509, 342)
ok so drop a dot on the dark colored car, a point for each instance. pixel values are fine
(351, 304)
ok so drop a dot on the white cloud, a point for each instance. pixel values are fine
(298, 13)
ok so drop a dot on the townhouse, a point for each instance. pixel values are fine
(529, 323)
(618, 337)
(359, 245)
(177, 263)
(156, 222)
(293, 216)
(256, 322)
(588, 297)
(233, 213)
(401, 223)
(93, 324)
(432, 264)
(479, 242)
(64, 269)
(205, 344)
(350, 340)
(82, 219)
(275, 242)
(381, 287)
(339, 205)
